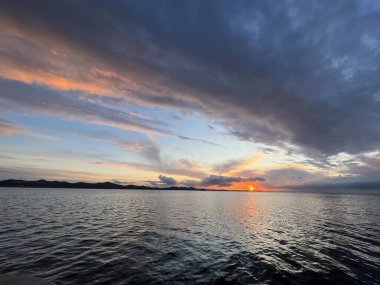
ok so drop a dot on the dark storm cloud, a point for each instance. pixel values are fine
(297, 72)
(221, 181)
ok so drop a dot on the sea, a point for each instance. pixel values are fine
(84, 236)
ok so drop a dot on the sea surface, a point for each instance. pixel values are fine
(73, 236)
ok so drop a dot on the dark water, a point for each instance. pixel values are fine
(167, 237)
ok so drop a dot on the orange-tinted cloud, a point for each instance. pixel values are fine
(233, 167)
(8, 128)
(224, 182)
(69, 107)
(37, 55)
(181, 167)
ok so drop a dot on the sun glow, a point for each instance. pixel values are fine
(251, 188)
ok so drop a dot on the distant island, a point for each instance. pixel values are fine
(84, 185)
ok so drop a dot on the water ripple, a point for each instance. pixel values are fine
(71, 236)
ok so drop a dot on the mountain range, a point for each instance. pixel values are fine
(82, 185)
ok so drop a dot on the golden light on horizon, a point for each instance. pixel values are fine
(251, 188)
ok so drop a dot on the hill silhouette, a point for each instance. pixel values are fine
(82, 185)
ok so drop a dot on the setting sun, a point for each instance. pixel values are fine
(251, 188)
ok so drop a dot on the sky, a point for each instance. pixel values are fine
(214, 94)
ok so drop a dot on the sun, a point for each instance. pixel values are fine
(251, 188)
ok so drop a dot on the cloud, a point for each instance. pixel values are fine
(364, 166)
(33, 173)
(269, 72)
(235, 166)
(8, 128)
(42, 55)
(338, 172)
(346, 186)
(288, 176)
(180, 167)
(15, 95)
(167, 180)
(186, 138)
(220, 181)
(148, 148)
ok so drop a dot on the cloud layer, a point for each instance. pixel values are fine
(221, 181)
(269, 71)
(298, 76)
(9, 128)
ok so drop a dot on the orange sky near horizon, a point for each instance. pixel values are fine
(246, 186)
